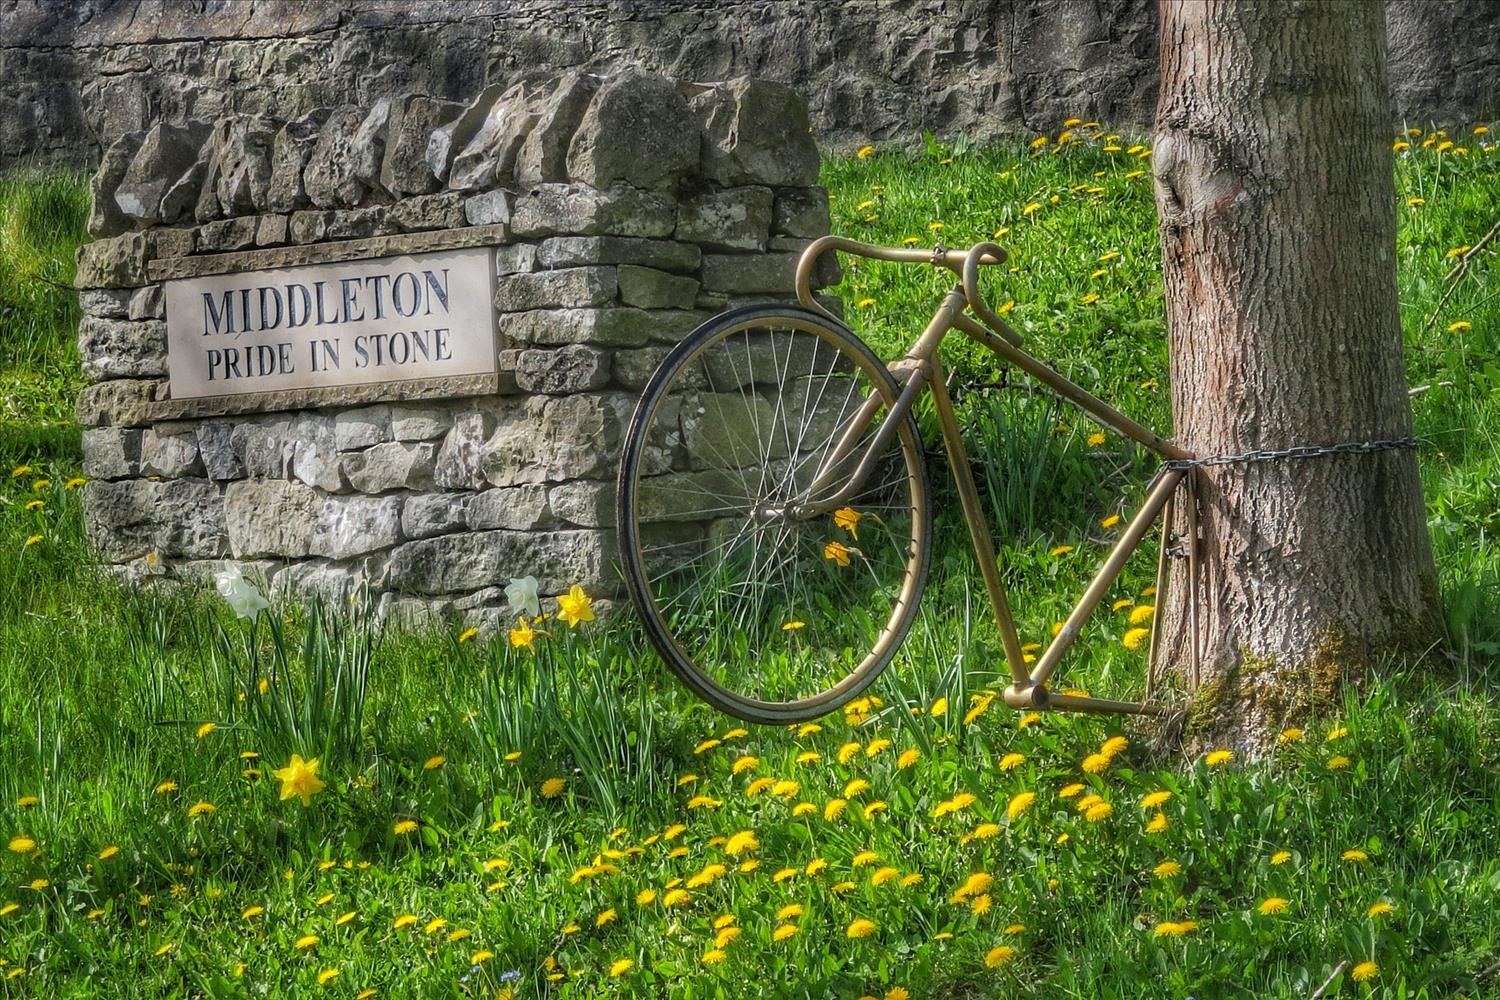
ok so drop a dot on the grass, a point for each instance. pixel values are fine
(500, 819)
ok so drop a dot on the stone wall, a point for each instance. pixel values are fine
(78, 73)
(622, 213)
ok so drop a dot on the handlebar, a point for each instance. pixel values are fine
(964, 263)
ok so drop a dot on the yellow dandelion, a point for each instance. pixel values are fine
(553, 787)
(865, 152)
(327, 976)
(1158, 823)
(883, 875)
(908, 758)
(1217, 758)
(1355, 856)
(1364, 972)
(1460, 326)
(1099, 811)
(999, 956)
(22, 844)
(620, 966)
(1068, 791)
(1096, 763)
(1272, 905)
(1167, 869)
(1133, 638)
(404, 826)
(306, 942)
(1019, 803)
(1379, 909)
(860, 928)
(1291, 735)
(874, 807)
(783, 932)
(1338, 763)
(1154, 800)
(1110, 521)
(1281, 857)
(1011, 761)
(202, 809)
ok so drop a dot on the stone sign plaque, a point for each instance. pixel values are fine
(391, 319)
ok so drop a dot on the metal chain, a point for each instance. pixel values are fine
(1299, 451)
(939, 251)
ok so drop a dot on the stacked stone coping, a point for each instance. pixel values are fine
(623, 211)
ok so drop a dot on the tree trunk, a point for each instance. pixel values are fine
(1275, 193)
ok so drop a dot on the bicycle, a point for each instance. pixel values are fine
(772, 502)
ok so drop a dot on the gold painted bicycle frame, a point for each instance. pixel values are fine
(919, 368)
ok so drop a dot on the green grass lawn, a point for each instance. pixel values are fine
(567, 821)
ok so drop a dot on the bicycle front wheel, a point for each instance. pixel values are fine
(774, 545)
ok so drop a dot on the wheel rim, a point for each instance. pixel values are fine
(768, 599)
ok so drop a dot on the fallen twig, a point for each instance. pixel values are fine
(1457, 272)
(1318, 993)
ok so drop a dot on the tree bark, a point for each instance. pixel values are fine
(1276, 199)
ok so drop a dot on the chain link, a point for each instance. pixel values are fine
(1299, 451)
(939, 251)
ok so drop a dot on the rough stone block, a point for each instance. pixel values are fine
(111, 453)
(105, 303)
(404, 170)
(489, 158)
(569, 287)
(105, 216)
(359, 223)
(270, 517)
(147, 303)
(171, 451)
(517, 258)
(491, 208)
(428, 514)
(637, 130)
(263, 448)
(315, 455)
(801, 212)
(574, 368)
(367, 147)
(732, 219)
(354, 526)
(634, 368)
(175, 518)
(419, 423)
(119, 402)
(164, 244)
(290, 150)
(465, 562)
(118, 262)
(228, 234)
(272, 230)
(556, 438)
(361, 428)
(216, 449)
(112, 348)
(243, 152)
(166, 153)
(431, 211)
(458, 460)
(329, 176)
(610, 327)
(648, 288)
(573, 251)
(584, 503)
(392, 466)
(756, 132)
(447, 140)
(544, 155)
(519, 508)
(577, 209)
(309, 226)
(738, 274)
(406, 612)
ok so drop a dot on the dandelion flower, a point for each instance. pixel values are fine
(1355, 856)
(306, 942)
(741, 842)
(783, 932)
(22, 844)
(999, 956)
(1379, 909)
(1272, 905)
(860, 928)
(1096, 763)
(1114, 745)
(1217, 758)
(1154, 800)
(865, 152)
(404, 826)
(1158, 823)
(553, 787)
(202, 809)
(327, 976)
(908, 758)
(1060, 550)
(744, 763)
(1338, 763)
(883, 875)
(206, 728)
(299, 779)
(1110, 521)
(1099, 811)
(1291, 735)
(1019, 803)
(1167, 869)
(1460, 326)
(980, 904)
(109, 852)
(620, 966)
(1011, 761)
(855, 787)
(1068, 791)
(645, 897)
(1364, 972)
(1133, 638)
(834, 809)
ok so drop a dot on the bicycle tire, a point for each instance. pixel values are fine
(659, 455)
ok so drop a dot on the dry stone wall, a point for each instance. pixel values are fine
(621, 212)
(78, 73)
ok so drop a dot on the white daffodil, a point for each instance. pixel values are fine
(523, 597)
(243, 596)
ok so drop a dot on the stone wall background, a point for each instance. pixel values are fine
(623, 212)
(77, 73)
